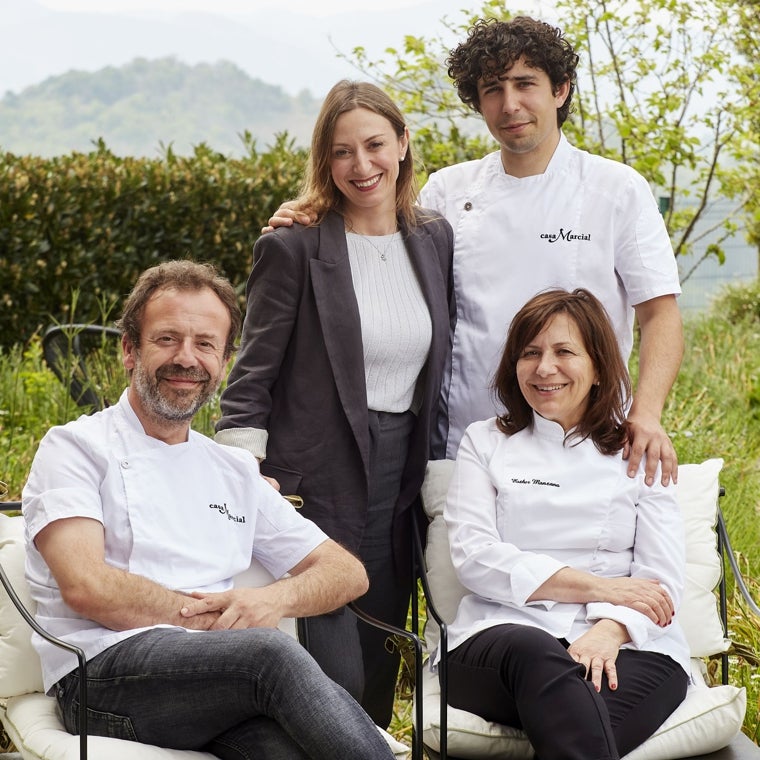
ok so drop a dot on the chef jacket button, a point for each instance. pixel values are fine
(468, 206)
(125, 463)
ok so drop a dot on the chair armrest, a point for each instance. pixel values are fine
(82, 667)
(419, 562)
(728, 553)
(417, 643)
(443, 640)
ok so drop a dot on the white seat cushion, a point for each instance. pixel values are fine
(34, 728)
(707, 720)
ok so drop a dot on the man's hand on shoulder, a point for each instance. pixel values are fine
(647, 436)
(289, 212)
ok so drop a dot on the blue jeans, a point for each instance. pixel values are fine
(252, 694)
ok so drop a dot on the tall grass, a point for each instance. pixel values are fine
(713, 411)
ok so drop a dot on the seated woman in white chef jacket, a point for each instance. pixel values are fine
(575, 570)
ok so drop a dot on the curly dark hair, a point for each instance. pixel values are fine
(492, 47)
(604, 419)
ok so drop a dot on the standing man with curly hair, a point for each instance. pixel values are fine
(539, 213)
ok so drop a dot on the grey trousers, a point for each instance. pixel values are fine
(353, 653)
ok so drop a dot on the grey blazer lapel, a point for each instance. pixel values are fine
(341, 327)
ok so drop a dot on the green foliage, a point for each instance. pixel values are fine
(744, 632)
(659, 90)
(713, 409)
(739, 303)
(663, 85)
(94, 221)
(32, 401)
(747, 178)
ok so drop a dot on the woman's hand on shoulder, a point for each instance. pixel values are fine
(597, 650)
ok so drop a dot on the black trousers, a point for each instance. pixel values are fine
(523, 677)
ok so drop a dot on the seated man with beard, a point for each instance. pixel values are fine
(135, 527)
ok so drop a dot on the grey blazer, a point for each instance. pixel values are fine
(300, 371)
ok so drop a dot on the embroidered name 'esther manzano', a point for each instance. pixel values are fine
(535, 482)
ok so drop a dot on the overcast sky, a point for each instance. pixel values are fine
(293, 44)
(312, 7)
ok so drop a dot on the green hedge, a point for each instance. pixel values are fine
(92, 222)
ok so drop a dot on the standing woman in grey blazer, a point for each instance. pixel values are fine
(344, 345)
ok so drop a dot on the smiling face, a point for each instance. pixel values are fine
(555, 372)
(365, 164)
(180, 362)
(520, 111)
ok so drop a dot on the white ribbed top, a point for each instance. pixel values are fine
(395, 320)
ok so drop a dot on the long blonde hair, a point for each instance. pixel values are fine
(319, 193)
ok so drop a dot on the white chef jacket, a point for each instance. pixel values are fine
(189, 516)
(522, 507)
(585, 222)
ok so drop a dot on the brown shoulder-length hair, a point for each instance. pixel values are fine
(319, 192)
(604, 420)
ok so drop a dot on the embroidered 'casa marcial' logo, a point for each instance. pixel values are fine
(222, 509)
(553, 237)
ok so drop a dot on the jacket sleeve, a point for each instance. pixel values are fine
(485, 563)
(659, 553)
(272, 294)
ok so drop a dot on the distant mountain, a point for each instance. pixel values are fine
(294, 45)
(139, 106)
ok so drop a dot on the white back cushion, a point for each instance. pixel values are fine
(19, 665)
(697, 491)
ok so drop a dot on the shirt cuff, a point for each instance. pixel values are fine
(640, 628)
(250, 439)
(529, 575)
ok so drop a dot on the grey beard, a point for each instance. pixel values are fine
(163, 408)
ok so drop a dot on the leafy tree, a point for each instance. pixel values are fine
(747, 179)
(663, 85)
